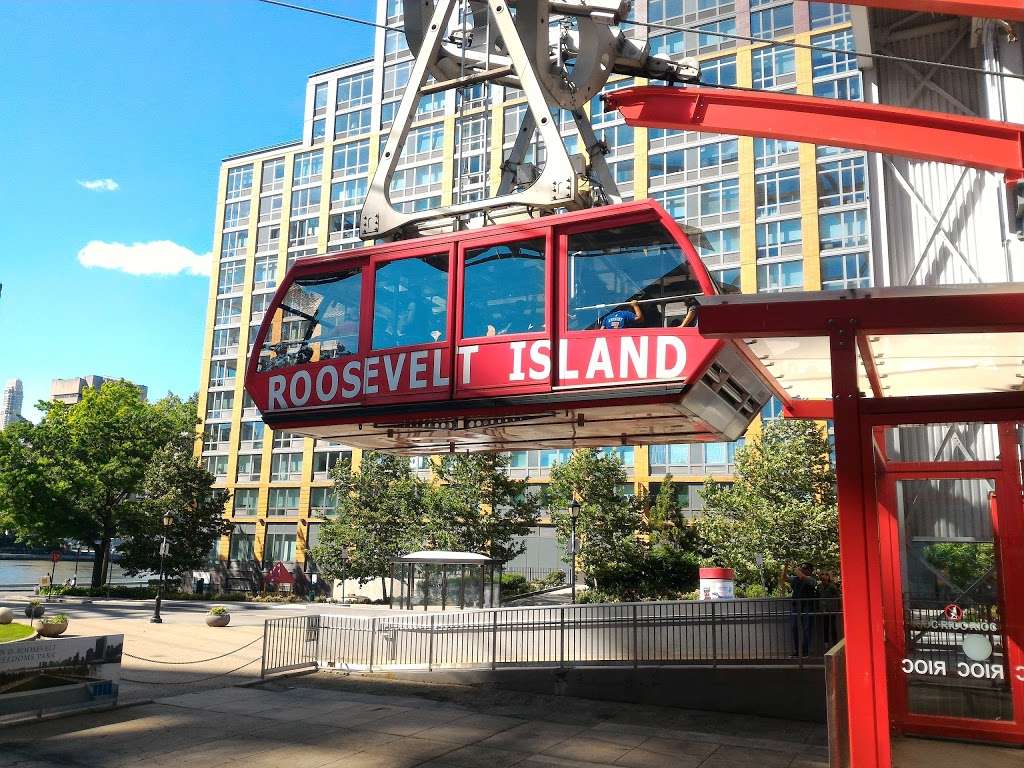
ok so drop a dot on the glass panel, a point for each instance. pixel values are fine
(955, 661)
(318, 320)
(410, 304)
(622, 277)
(504, 289)
(971, 441)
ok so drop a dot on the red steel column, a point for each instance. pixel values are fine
(867, 698)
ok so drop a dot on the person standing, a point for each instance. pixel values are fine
(804, 589)
(831, 608)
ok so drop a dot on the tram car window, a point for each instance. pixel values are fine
(410, 302)
(504, 289)
(615, 272)
(319, 320)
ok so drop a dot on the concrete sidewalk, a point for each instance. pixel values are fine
(324, 720)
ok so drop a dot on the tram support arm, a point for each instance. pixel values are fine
(988, 145)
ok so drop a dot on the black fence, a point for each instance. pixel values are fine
(710, 633)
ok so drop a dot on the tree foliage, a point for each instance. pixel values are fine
(174, 484)
(477, 507)
(77, 473)
(781, 506)
(629, 548)
(380, 516)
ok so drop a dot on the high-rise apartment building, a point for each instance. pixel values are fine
(70, 391)
(775, 216)
(11, 403)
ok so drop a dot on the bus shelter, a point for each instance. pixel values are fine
(443, 579)
(924, 389)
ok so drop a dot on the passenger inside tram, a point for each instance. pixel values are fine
(629, 277)
(410, 302)
(503, 289)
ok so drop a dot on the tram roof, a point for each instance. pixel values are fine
(919, 341)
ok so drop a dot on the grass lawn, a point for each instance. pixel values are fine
(14, 631)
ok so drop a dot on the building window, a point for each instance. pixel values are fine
(239, 182)
(827, 14)
(219, 405)
(778, 238)
(250, 436)
(216, 466)
(308, 168)
(279, 546)
(396, 76)
(249, 467)
(260, 303)
(286, 441)
(268, 238)
(350, 124)
(283, 501)
(343, 226)
(664, 11)
(351, 159)
(423, 143)
(846, 270)
(264, 272)
(325, 461)
(303, 232)
(246, 501)
(242, 543)
(847, 88)
(395, 45)
(844, 229)
(347, 193)
(825, 63)
(727, 280)
(270, 209)
(772, 22)
(323, 502)
(769, 152)
(225, 342)
(842, 182)
(231, 277)
(774, 67)
(222, 373)
(232, 244)
(286, 466)
(305, 202)
(624, 453)
(777, 192)
(355, 90)
(228, 311)
(410, 302)
(719, 244)
(216, 437)
(237, 214)
(418, 180)
(720, 71)
(273, 175)
(319, 130)
(319, 99)
(780, 276)
(708, 39)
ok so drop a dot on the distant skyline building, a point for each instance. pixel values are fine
(70, 391)
(11, 403)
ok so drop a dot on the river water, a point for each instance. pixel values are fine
(30, 571)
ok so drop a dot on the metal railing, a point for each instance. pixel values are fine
(709, 633)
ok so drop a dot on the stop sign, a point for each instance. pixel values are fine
(55, 556)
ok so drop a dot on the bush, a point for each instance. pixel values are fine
(278, 597)
(514, 584)
(554, 579)
(752, 591)
(57, 618)
(594, 595)
(219, 610)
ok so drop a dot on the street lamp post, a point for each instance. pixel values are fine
(168, 520)
(574, 513)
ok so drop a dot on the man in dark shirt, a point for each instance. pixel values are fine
(830, 600)
(804, 588)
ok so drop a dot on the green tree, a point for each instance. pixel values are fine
(174, 484)
(671, 560)
(380, 516)
(77, 474)
(477, 507)
(781, 506)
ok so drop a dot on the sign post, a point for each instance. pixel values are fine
(54, 558)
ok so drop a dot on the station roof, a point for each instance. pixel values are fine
(445, 556)
(941, 341)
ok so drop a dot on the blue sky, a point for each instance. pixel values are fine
(146, 97)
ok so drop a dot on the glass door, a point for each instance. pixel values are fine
(954, 660)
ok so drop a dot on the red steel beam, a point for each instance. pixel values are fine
(1011, 10)
(972, 141)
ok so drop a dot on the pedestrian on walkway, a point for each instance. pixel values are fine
(804, 588)
(830, 599)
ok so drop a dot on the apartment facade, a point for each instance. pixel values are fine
(775, 216)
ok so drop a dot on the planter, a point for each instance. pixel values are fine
(34, 611)
(218, 620)
(50, 628)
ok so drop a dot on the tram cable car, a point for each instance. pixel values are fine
(568, 330)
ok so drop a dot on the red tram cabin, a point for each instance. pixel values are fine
(569, 330)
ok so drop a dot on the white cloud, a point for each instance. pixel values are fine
(160, 257)
(99, 185)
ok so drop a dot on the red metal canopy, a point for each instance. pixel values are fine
(986, 144)
(1012, 10)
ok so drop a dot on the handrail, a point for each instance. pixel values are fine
(920, 134)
